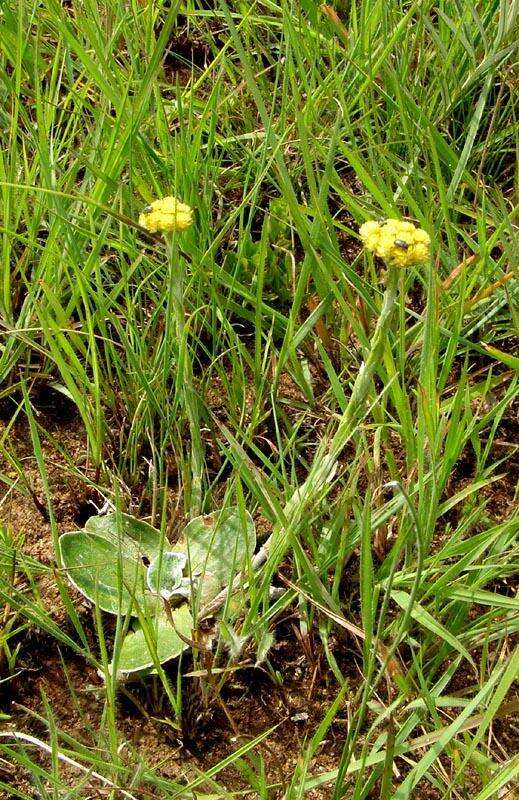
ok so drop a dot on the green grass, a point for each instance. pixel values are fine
(285, 127)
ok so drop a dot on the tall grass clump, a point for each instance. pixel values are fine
(315, 323)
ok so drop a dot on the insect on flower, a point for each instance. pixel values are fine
(386, 240)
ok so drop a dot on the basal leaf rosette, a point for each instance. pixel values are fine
(126, 567)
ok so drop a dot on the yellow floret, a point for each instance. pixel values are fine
(397, 242)
(370, 234)
(166, 215)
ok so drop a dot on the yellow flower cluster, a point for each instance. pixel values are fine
(399, 244)
(166, 215)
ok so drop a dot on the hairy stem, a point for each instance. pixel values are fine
(327, 454)
(184, 365)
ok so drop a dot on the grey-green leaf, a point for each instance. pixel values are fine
(135, 655)
(165, 573)
(132, 536)
(220, 543)
(105, 575)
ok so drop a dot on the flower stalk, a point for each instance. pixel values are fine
(185, 373)
(400, 244)
(328, 452)
(169, 216)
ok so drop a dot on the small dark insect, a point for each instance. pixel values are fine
(147, 210)
(400, 243)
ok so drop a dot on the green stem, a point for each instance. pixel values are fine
(327, 455)
(185, 367)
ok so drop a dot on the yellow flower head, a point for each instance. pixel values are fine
(166, 215)
(399, 244)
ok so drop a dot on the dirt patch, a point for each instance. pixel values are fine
(23, 507)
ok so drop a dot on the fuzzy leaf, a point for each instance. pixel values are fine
(132, 536)
(219, 543)
(165, 573)
(135, 655)
(106, 576)
(505, 358)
